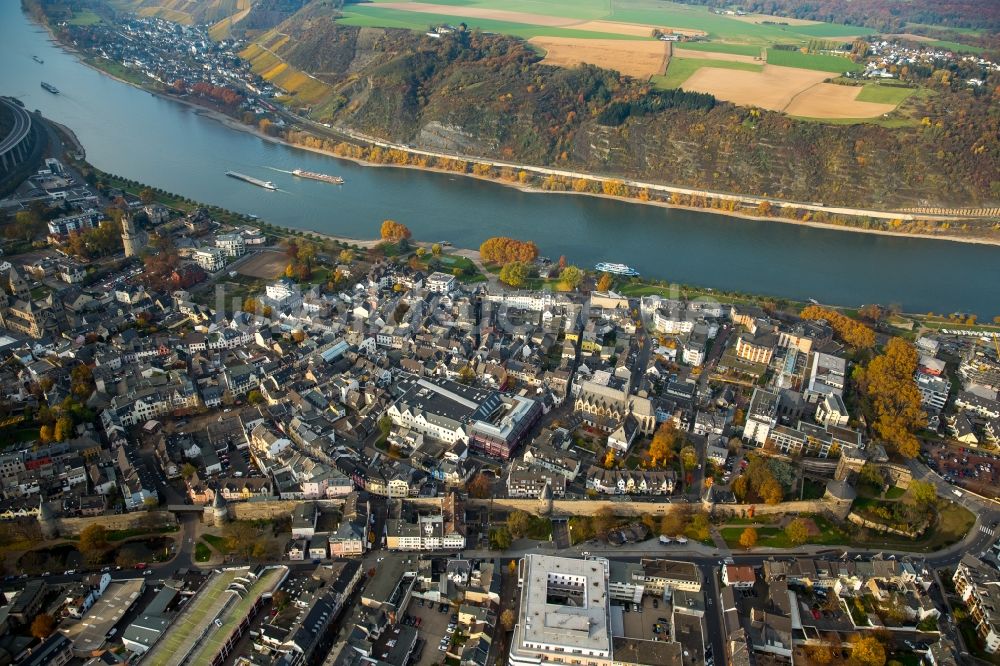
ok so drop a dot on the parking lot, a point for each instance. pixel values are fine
(643, 624)
(433, 626)
(969, 467)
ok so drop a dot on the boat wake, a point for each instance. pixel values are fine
(278, 170)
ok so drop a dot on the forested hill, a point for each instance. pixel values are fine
(487, 95)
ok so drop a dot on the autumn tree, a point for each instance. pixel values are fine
(661, 449)
(689, 458)
(850, 331)
(609, 458)
(93, 538)
(82, 381)
(518, 523)
(514, 274)
(503, 250)
(479, 487)
(394, 231)
(42, 626)
(770, 491)
(188, 470)
(797, 531)
(748, 539)
(698, 526)
(604, 283)
(63, 429)
(741, 487)
(507, 620)
(571, 277)
(500, 538)
(868, 651)
(923, 492)
(893, 397)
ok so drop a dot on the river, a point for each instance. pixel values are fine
(132, 133)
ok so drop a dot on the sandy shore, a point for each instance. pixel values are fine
(234, 124)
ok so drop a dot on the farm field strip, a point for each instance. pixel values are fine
(640, 59)
(680, 52)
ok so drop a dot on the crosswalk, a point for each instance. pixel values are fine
(988, 530)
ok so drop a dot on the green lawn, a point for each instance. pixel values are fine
(202, 553)
(894, 493)
(775, 537)
(721, 47)
(884, 94)
(372, 16)
(84, 17)
(680, 70)
(815, 61)
(216, 542)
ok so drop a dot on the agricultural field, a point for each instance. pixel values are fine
(884, 94)
(547, 18)
(632, 58)
(750, 50)
(681, 69)
(732, 57)
(814, 61)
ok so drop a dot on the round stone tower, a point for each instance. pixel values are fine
(545, 500)
(220, 510)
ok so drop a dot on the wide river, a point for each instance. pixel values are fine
(132, 133)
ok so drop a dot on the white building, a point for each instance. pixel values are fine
(232, 244)
(564, 615)
(441, 283)
(210, 259)
(761, 417)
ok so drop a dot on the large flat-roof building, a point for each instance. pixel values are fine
(489, 421)
(564, 615)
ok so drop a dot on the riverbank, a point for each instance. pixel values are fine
(859, 222)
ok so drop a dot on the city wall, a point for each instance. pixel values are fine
(123, 521)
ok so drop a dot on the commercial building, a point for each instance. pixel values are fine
(489, 421)
(212, 622)
(564, 616)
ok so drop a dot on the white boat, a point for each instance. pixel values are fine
(617, 269)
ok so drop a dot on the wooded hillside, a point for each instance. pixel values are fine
(487, 95)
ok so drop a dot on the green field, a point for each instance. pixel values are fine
(84, 17)
(720, 47)
(955, 46)
(832, 30)
(651, 12)
(884, 94)
(814, 61)
(680, 70)
(372, 16)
